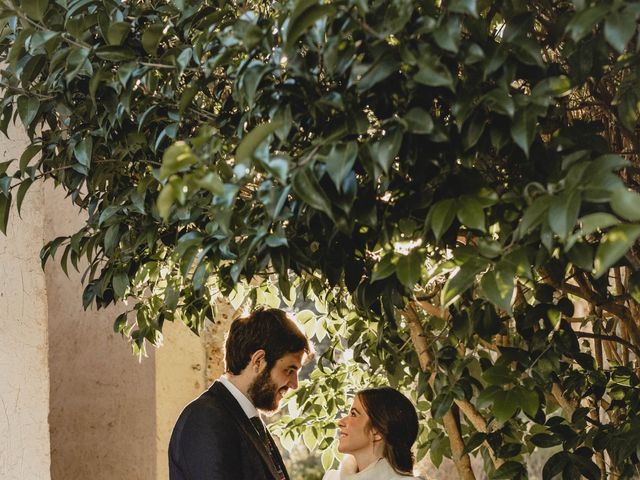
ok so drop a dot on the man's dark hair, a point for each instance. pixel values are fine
(270, 330)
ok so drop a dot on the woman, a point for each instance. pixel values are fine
(377, 436)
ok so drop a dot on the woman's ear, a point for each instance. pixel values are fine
(376, 435)
(258, 360)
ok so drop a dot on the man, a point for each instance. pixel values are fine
(219, 436)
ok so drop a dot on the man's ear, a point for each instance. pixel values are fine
(258, 360)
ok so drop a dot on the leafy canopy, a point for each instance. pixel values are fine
(454, 179)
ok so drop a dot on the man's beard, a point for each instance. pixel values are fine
(263, 392)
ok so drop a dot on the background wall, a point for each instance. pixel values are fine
(24, 389)
(75, 403)
(103, 405)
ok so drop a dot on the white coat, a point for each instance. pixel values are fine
(380, 470)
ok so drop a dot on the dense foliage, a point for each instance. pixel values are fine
(453, 181)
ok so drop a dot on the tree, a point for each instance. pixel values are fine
(454, 179)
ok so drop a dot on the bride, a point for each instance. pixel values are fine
(376, 437)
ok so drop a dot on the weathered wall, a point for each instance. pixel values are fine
(24, 389)
(103, 419)
(180, 377)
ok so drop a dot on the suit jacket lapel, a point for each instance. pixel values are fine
(244, 423)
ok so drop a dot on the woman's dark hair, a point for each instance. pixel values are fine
(394, 417)
(270, 330)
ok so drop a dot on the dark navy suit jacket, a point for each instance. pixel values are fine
(214, 440)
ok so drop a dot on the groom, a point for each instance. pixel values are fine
(220, 436)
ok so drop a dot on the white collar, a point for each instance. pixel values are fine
(248, 408)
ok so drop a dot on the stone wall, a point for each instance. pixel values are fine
(103, 405)
(24, 389)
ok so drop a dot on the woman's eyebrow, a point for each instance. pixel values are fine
(353, 409)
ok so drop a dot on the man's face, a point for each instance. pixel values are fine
(270, 386)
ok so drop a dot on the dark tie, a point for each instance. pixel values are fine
(270, 445)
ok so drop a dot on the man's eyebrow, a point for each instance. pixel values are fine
(296, 366)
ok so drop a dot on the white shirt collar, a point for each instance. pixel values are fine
(248, 408)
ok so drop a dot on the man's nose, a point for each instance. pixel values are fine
(293, 383)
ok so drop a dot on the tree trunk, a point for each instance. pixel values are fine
(451, 425)
(461, 460)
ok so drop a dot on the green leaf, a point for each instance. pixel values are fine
(117, 32)
(563, 212)
(533, 215)
(327, 459)
(498, 286)
(529, 401)
(83, 150)
(581, 255)
(165, 201)
(462, 280)
(115, 53)
(300, 24)
(586, 466)
(120, 323)
(626, 203)
(111, 238)
(251, 141)
(384, 268)
(409, 267)
(5, 206)
(380, 70)
(523, 129)
(385, 150)
(120, 283)
(619, 27)
(583, 22)
(35, 9)
(447, 35)
(441, 405)
(545, 440)
(433, 74)
(551, 87)
(614, 245)
(470, 213)
(509, 471)
(151, 38)
(498, 375)
(468, 7)
(555, 465)
(596, 221)
(308, 189)
(176, 158)
(211, 182)
(499, 100)
(27, 109)
(506, 405)
(488, 396)
(22, 190)
(30, 152)
(340, 161)
(474, 442)
(441, 216)
(419, 121)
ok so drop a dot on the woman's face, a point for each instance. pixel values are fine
(355, 431)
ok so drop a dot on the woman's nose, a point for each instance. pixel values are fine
(341, 423)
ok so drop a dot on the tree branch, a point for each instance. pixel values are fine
(611, 338)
